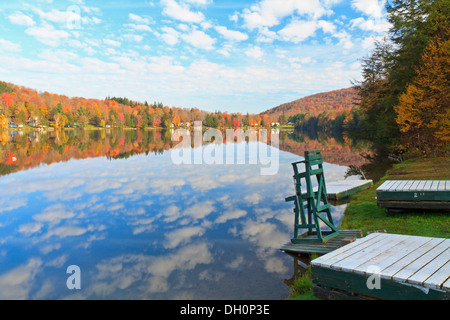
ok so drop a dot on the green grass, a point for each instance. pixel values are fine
(302, 288)
(363, 212)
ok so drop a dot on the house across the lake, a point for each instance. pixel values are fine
(33, 122)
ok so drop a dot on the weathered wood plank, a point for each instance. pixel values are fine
(430, 268)
(401, 185)
(434, 186)
(415, 185)
(438, 279)
(385, 185)
(323, 248)
(446, 285)
(427, 185)
(357, 284)
(408, 185)
(421, 185)
(350, 263)
(394, 185)
(402, 263)
(342, 253)
(419, 263)
(393, 255)
(411, 267)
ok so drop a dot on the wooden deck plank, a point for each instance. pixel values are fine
(419, 263)
(441, 186)
(402, 263)
(421, 185)
(430, 268)
(343, 252)
(322, 248)
(434, 186)
(385, 185)
(427, 185)
(415, 185)
(393, 255)
(350, 263)
(408, 185)
(438, 279)
(338, 190)
(394, 185)
(446, 285)
(412, 267)
(401, 185)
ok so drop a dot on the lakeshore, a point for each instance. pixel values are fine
(363, 212)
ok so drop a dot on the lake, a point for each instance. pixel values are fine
(140, 226)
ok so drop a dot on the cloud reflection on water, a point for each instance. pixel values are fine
(142, 227)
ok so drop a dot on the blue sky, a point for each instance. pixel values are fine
(236, 56)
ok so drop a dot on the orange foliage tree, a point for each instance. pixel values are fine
(424, 110)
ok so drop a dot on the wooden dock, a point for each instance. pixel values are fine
(344, 237)
(338, 190)
(386, 266)
(414, 194)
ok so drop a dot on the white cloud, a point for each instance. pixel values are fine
(16, 284)
(199, 2)
(170, 36)
(376, 25)
(183, 235)
(231, 215)
(298, 31)
(327, 26)
(181, 11)
(21, 19)
(200, 210)
(31, 228)
(199, 39)
(372, 8)
(255, 52)
(269, 13)
(231, 35)
(54, 214)
(139, 19)
(48, 35)
(66, 231)
(138, 27)
(112, 43)
(8, 46)
(133, 37)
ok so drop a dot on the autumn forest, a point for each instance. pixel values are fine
(400, 104)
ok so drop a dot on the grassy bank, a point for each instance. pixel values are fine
(363, 212)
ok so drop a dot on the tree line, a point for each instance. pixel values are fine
(23, 105)
(404, 94)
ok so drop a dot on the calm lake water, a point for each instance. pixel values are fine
(139, 226)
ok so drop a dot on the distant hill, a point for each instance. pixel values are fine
(333, 102)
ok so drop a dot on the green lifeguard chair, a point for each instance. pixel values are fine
(315, 202)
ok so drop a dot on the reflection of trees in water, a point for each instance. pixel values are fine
(374, 169)
(336, 151)
(360, 156)
(32, 149)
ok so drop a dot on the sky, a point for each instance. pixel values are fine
(228, 55)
